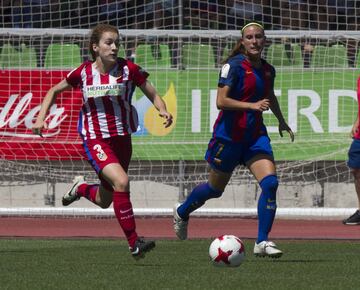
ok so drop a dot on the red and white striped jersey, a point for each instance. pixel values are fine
(107, 109)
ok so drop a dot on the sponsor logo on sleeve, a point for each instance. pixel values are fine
(225, 70)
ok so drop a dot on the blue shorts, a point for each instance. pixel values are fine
(354, 154)
(225, 156)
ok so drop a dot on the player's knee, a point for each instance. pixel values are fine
(269, 184)
(121, 184)
(214, 192)
(356, 173)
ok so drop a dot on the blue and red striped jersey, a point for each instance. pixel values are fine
(247, 84)
(357, 134)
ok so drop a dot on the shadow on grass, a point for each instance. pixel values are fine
(294, 261)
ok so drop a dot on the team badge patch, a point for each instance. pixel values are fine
(126, 73)
(101, 155)
(225, 70)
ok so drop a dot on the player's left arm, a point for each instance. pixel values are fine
(275, 108)
(159, 104)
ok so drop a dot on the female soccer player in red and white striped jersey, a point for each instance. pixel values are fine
(106, 122)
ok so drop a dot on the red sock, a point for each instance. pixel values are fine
(88, 191)
(124, 214)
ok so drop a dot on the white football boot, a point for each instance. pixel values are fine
(71, 196)
(267, 249)
(180, 225)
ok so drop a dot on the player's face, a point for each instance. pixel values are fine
(253, 40)
(108, 47)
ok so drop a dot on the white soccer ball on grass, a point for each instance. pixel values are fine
(227, 251)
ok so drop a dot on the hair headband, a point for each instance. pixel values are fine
(251, 23)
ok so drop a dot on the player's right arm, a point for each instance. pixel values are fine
(49, 99)
(229, 77)
(225, 102)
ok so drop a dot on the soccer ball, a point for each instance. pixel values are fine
(227, 251)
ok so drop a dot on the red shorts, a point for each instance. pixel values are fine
(101, 152)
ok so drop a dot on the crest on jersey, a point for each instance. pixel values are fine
(101, 155)
(126, 73)
(225, 70)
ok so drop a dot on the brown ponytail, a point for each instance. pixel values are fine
(237, 49)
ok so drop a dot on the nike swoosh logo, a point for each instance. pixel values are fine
(125, 211)
(271, 200)
(136, 252)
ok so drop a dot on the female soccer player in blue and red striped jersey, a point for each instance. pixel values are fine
(106, 122)
(354, 162)
(245, 91)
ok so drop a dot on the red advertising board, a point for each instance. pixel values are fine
(21, 93)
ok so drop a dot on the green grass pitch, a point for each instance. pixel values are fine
(107, 264)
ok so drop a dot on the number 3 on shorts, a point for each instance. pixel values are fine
(101, 155)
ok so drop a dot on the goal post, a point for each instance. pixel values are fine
(317, 95)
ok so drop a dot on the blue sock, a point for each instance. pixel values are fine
(266, 206)
(196, 199)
